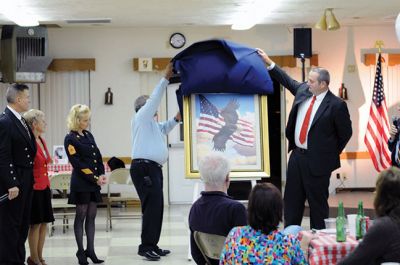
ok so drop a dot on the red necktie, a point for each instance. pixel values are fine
(304, 127)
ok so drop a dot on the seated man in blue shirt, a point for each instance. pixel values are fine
(214, 212)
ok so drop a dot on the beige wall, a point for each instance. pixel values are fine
(114, 49)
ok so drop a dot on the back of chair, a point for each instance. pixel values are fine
(60, 181)
(210, 245)
(121, 177)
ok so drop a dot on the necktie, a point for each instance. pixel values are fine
(398, 155)
(304, 127)
(26, 127)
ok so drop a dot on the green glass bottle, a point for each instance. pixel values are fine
(360, 221)
(340, 224)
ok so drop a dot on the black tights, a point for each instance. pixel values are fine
(85, 213)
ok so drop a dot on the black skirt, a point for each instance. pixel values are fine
(41, 211)
(84, 197)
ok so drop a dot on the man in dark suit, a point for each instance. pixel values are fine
(17, 153)
(318, 129)
(394, 143)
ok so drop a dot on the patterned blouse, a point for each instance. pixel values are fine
(244, 245)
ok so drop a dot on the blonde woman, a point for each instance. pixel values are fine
(87, 177)
(42, 211)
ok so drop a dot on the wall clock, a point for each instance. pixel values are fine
(177, 40)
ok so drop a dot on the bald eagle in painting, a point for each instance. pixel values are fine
(231, 117)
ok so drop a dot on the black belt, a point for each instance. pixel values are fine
(140, 160)
(301, 150)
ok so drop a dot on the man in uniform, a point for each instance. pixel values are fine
(17, 153)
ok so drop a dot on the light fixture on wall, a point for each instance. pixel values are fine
(328, 21)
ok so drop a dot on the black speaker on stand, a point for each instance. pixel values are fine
(302, 47)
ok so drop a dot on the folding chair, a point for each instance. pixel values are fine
(60, 183)
(210, 245)
(120, 181)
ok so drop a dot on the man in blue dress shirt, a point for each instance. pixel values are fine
(149, 153)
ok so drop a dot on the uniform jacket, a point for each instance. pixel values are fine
(40, 173)
(86, 161)
(17, 152)
(329, 131)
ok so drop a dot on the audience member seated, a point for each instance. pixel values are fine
(260, 242)
(214, 212)
(382, 241)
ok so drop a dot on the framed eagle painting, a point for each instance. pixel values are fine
(235, 125)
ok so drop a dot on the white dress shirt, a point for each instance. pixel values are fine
(301, 114)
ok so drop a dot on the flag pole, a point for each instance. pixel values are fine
(379, 44)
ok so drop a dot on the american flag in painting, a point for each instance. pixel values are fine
(210, 121)
(376, 137)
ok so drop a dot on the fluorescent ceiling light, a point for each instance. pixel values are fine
(16, 12)
(253, 13)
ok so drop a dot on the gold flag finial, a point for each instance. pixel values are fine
(379, 44)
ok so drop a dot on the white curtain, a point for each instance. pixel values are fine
(57, 95)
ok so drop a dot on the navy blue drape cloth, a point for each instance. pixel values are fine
(220, 66)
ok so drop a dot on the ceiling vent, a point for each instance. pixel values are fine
(89, 21)
(24, 54)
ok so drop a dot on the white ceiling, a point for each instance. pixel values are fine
(177, 13)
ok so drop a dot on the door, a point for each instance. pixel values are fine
(180, 188)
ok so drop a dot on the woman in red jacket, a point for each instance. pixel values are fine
(42, 211)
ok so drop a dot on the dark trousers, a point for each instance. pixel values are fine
(148, 181)
(302, 185)
(15, 216)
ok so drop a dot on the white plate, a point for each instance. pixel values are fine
(330, 231)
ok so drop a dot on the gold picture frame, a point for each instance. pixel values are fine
(234, 124)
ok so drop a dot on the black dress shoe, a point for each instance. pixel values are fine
(162, 252)
(82, 260)
(93, 257)
(149, 255)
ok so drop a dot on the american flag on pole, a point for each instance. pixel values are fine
(376, 137)
(210, 121)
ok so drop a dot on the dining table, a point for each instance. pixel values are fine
(323, 249)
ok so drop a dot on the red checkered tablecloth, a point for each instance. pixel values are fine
(68, 167)
(324, 250)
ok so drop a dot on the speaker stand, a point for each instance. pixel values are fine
(303, 67)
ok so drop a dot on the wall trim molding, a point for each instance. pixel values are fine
(344, 156)
(159, 64)
(73, 64)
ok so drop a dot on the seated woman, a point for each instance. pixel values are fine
(260, 242)
(382, 241)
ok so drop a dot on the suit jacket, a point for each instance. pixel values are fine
(329, 131)
(40, 174)
(17, 152)
(86, 160)
(392, 148)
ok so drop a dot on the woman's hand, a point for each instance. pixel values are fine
(102, 180)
